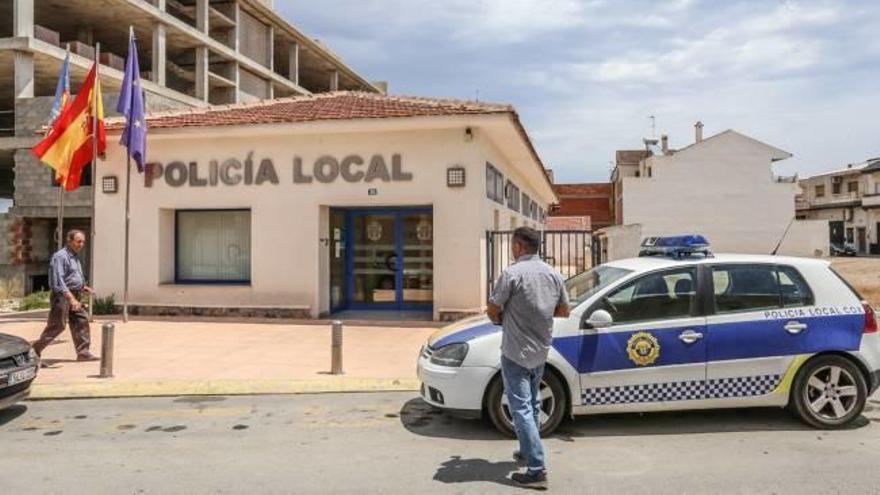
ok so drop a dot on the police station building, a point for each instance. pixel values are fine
(311, 206)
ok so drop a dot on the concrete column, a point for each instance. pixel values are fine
(202, 73)
(23, 18)
(270, 48)
(237, 96)
(24, 75)
(159, 4)
(237, 31)
(202, 15)
(159, 54)
(293, 62)
(334, 80)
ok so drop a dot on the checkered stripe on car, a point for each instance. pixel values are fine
(745, 386)
(741, 386)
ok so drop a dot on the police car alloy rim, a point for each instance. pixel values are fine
(831, 393)
(548, 405)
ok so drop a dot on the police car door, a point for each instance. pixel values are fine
(752, 342)
(654, 352)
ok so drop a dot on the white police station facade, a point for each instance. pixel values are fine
(308, 218)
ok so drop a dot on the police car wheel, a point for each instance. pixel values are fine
(553, 405)
(829, 392)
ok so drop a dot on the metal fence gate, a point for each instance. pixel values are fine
(568, 251)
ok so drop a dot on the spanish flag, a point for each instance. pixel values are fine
(67, 147)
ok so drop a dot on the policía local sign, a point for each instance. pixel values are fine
(234, 171)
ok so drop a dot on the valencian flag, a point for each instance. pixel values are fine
(131, 105)
(67, 147)
(62, 91)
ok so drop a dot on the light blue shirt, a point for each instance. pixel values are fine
(65, 272)
(528, 293)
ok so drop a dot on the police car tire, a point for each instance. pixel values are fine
(496, 414)
(798, 402)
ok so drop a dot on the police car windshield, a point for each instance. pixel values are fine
(582, 286)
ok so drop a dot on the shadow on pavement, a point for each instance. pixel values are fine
(420, 418)
(11, 413)
(458, 470)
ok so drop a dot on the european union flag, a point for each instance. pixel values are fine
(131, 105)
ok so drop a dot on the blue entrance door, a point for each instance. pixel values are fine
(388, 262)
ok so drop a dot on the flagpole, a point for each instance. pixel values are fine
(60, 233)
(96, 95)
(127, 205)
(60, 238)
(127, 197)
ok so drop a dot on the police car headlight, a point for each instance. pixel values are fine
(450, 355)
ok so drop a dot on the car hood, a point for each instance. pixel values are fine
(10, 345)
(463, 331)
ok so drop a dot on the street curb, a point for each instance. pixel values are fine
(111, 390)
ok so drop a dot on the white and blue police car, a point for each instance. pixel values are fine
(679, 328)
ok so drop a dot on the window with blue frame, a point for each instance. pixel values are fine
(213, 246)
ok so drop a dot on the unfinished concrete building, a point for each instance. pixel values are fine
(193, 53)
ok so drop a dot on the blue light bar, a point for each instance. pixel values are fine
(676, 247)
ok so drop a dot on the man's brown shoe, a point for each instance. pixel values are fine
(87, 357)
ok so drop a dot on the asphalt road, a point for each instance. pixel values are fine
(393, 443)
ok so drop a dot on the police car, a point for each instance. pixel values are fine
(679, 328)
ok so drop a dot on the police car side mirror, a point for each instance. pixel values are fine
(599, 319)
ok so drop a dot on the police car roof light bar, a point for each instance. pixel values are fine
(676, 247)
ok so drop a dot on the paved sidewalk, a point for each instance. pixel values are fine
(154, 358)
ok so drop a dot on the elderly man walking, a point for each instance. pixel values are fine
(526, 297)
(68, 286)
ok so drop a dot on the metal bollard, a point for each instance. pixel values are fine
(107, 331)
(336, 349)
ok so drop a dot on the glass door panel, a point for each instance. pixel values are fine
(337, 244)
(418, 257)
(374, 259)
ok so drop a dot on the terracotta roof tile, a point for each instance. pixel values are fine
(326, 106)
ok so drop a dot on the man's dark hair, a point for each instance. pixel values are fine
(529, 238)
(72, 233)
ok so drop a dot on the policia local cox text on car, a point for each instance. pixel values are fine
(680, 328)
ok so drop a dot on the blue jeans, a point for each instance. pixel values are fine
(521, 386)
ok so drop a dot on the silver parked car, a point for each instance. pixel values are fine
(18, 368)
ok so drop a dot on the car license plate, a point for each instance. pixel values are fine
(22, 375)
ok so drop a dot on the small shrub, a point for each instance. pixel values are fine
(105, 305)
(35, 300)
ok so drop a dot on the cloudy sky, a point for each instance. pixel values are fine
(586, 75)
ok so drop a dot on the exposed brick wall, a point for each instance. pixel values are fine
(19, 238)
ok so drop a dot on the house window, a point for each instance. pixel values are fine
(526, 204)
(835, 188)
(213, 246)
(512, 193)
(494, 184)
(820, 191)
(852, 187)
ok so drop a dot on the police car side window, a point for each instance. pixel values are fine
(758, 287)
(745, 287)
(656, 296)
(795, 291)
